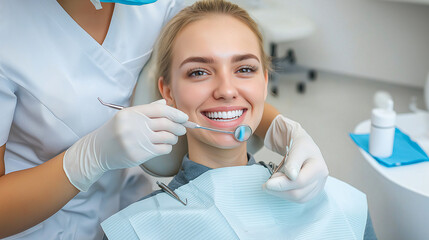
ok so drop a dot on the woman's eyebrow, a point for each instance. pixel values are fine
(235, 58)
(197, 59)
(238, 58)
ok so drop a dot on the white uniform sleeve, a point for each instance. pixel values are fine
(173, 9)
(7, 106)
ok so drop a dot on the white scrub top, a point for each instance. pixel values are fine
(51, 73)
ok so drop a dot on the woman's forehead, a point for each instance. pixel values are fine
(218, 36)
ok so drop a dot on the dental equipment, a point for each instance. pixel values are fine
(114, 106)
(171, 192)
(284, 159)
(241, 133)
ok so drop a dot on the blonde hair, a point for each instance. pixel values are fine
(194, 13)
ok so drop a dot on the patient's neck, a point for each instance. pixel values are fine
(214, 157)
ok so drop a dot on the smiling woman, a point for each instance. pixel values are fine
(219, 82)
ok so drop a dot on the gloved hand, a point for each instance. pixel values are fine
(133, 136)
(304, 173)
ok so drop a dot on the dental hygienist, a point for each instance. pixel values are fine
(65, 160)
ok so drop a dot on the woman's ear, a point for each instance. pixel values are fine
(166, 92)
(266, 84)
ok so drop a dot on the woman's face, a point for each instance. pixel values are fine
(217, 78)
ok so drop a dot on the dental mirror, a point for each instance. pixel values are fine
(241, 133)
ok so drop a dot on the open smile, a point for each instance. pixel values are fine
(224, 117)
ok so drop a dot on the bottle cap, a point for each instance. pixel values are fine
(384, 117)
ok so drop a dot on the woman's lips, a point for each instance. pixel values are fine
(227, 118)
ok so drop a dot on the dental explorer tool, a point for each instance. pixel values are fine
(171, 192)
(284, 159)
(241, 133)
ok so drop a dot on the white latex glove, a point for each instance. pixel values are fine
(304, 173)
(133, 136)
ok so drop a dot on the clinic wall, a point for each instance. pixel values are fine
(380, 40)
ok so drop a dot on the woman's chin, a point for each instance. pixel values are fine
(226, 141)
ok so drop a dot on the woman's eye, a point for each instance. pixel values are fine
(197, 73)
(246, 70)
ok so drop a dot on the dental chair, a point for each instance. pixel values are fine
(167, 165)
(280, 27)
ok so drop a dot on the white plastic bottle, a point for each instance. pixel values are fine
(382, 131)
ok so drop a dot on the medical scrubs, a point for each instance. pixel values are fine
(191, 170)
(51, 73)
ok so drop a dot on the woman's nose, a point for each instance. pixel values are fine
(226, 87)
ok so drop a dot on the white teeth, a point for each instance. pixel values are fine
(224, 116)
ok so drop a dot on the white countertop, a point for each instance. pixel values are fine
(414, 177)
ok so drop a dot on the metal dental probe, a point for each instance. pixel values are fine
(284, 159)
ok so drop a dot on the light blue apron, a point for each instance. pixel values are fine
(229, 203)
